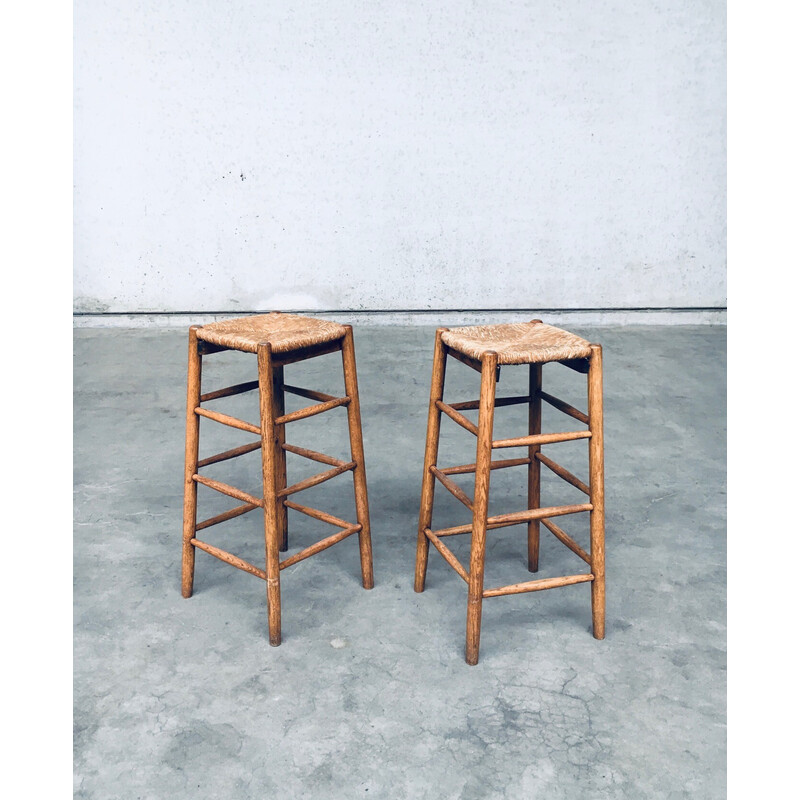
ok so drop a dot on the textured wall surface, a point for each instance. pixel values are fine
(362, 155)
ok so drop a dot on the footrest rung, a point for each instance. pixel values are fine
(231, 559)
(236, 451)
(316, 514)
(231, 491)
(566, 539)
(499, 464)
(319, 546)
(310, 411)
(456, 417)
(447, 554)
(565, 407)
(563, 473)
(535, 586)
(309, 393)
(239, 388)
(313, 455)
(314, 480)
(226, 515)
(451, 487)
(542, 438)
(225, 419)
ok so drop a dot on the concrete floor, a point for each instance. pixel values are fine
(369, 695)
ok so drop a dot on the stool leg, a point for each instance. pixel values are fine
(480, 505)
(279, 408)
(269, 440)
(189, 484)
(431, 455)
(597, 497)
(357, 455)
(534, 467)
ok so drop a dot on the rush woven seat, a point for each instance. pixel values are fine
(484, 348)
(278, 340)
(284, 332)
(518, 342)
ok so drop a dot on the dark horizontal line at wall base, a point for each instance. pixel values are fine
(433, 318)
(239, 313)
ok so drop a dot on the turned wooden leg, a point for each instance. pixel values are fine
(269, 439)
(431, 455)
(189, 484)
(357, 455)
(534, 467)
(597, 496)
(280, 456)
(480, 507)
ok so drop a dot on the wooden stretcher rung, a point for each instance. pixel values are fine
(542, 438)
(310, 411)
(227, 420)
(239, 388)
(566, 539)
(317, 514)
(309, 393)
(504, 520)
(565, 407)
(563, 473)
(314, 480)
(231, 491)
(499, 464)
(452, 487)
(226, 515)
(236, 451)
(470, 405)
(319, 546)
(447, 554)
(456, 417)
(535, 586)
(231, 559)
(313, 455)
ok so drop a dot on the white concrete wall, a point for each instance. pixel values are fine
(354, 154)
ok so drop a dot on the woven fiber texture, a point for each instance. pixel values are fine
(285, 332)
(518, 342)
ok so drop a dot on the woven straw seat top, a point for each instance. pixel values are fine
(518, 342)
(285, 332)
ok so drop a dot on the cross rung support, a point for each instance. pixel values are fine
(313, 455)
(447, 554)
(456, 417)
(542, 438)
(309, 393)
(566, 539)
(231, 491)
(470, 405)
(565, 407)
(536, 586)
(239, 388)
(537, 513)
(236, 451)
(231, 559)
(231, 422)
(226, 515)
(310, 411)
(319, 546)
(499, 464)
(316, 514)
(563, 473)
(451, 487)
(314, 480)
(504, 520)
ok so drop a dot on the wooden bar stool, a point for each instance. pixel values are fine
(485, 348)
(277, 340)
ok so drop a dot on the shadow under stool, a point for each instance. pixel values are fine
(486, 348)
(277, 340)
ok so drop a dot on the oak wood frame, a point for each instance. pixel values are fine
(535, 514)
(273, 446)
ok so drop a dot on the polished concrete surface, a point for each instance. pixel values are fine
(369, 694)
